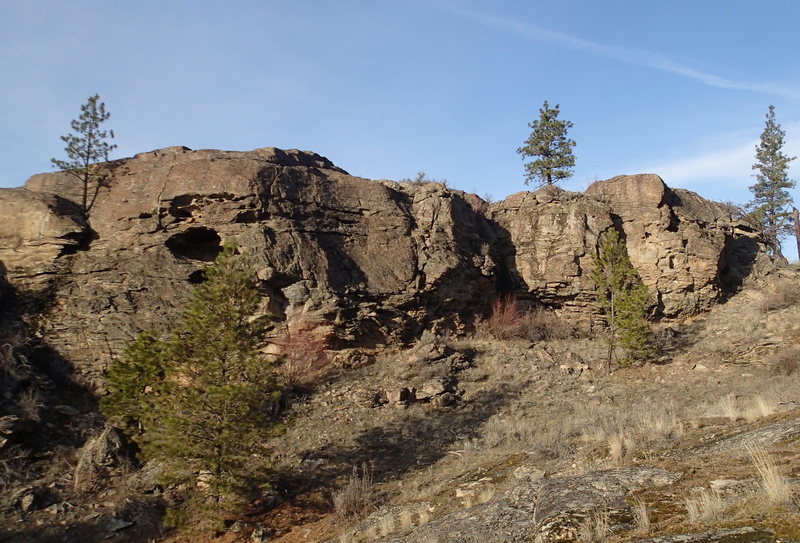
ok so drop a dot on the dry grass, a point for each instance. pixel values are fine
(358, 496)
(595, 528)
(397, 521)
(749, 408)
(520, 430)
(639, 429)
(704, 506)
(727, 407)
(776, 489)
(641, 517)
(726, 342)
(759, 406)
(784, 295)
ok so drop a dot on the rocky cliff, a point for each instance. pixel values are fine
(377, 260)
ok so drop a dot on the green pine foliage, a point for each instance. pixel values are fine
(771, 201)
(87, 146)
(549, 145)
(133, 382)
(204, 415)
(623, 297)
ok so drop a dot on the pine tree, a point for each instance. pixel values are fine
(548, 141)
(771, 199)
(623, 297)
(133, 382)
(87, 146)
(206, 418)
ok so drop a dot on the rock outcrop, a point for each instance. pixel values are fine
(377, 260)
(36, 231)
(689, 251)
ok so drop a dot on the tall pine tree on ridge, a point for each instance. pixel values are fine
(771, 200)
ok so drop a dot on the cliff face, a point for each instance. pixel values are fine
(377, 260)
(689, 251)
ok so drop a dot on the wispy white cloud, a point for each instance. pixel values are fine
(635, 57)
(731, 165)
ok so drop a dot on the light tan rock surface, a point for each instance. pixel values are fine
(36, 231)
(689, 251)
(378, 260)
(685, 248)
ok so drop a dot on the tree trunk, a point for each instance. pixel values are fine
(796, 217)
(612, 332)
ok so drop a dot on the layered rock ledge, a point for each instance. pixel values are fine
(377, 260)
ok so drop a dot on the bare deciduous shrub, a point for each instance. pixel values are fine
(357, 498)
(303, 346)
(12, 462)
(785, 361)
(735, 210)
(30, 403)
(422, 179)
(786, 294)
(508, 321)
(775, 487)
(13, 362)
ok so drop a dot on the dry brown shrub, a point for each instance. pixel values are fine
(785, 361)
(358, 497)
(786, 293)
(508, 321)
(303, 346)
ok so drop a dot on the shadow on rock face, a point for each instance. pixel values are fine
(737, 262)
(195, 243)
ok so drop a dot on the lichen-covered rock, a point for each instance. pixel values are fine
(543, 508)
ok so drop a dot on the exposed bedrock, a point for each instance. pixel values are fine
(377, 260)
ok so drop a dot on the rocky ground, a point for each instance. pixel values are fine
(458, 439)
(524, 441)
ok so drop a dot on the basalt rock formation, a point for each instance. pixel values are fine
(375, 260)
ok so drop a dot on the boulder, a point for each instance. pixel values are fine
(96, 457)
(681, 244)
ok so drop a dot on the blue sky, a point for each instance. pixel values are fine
(386, 89)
